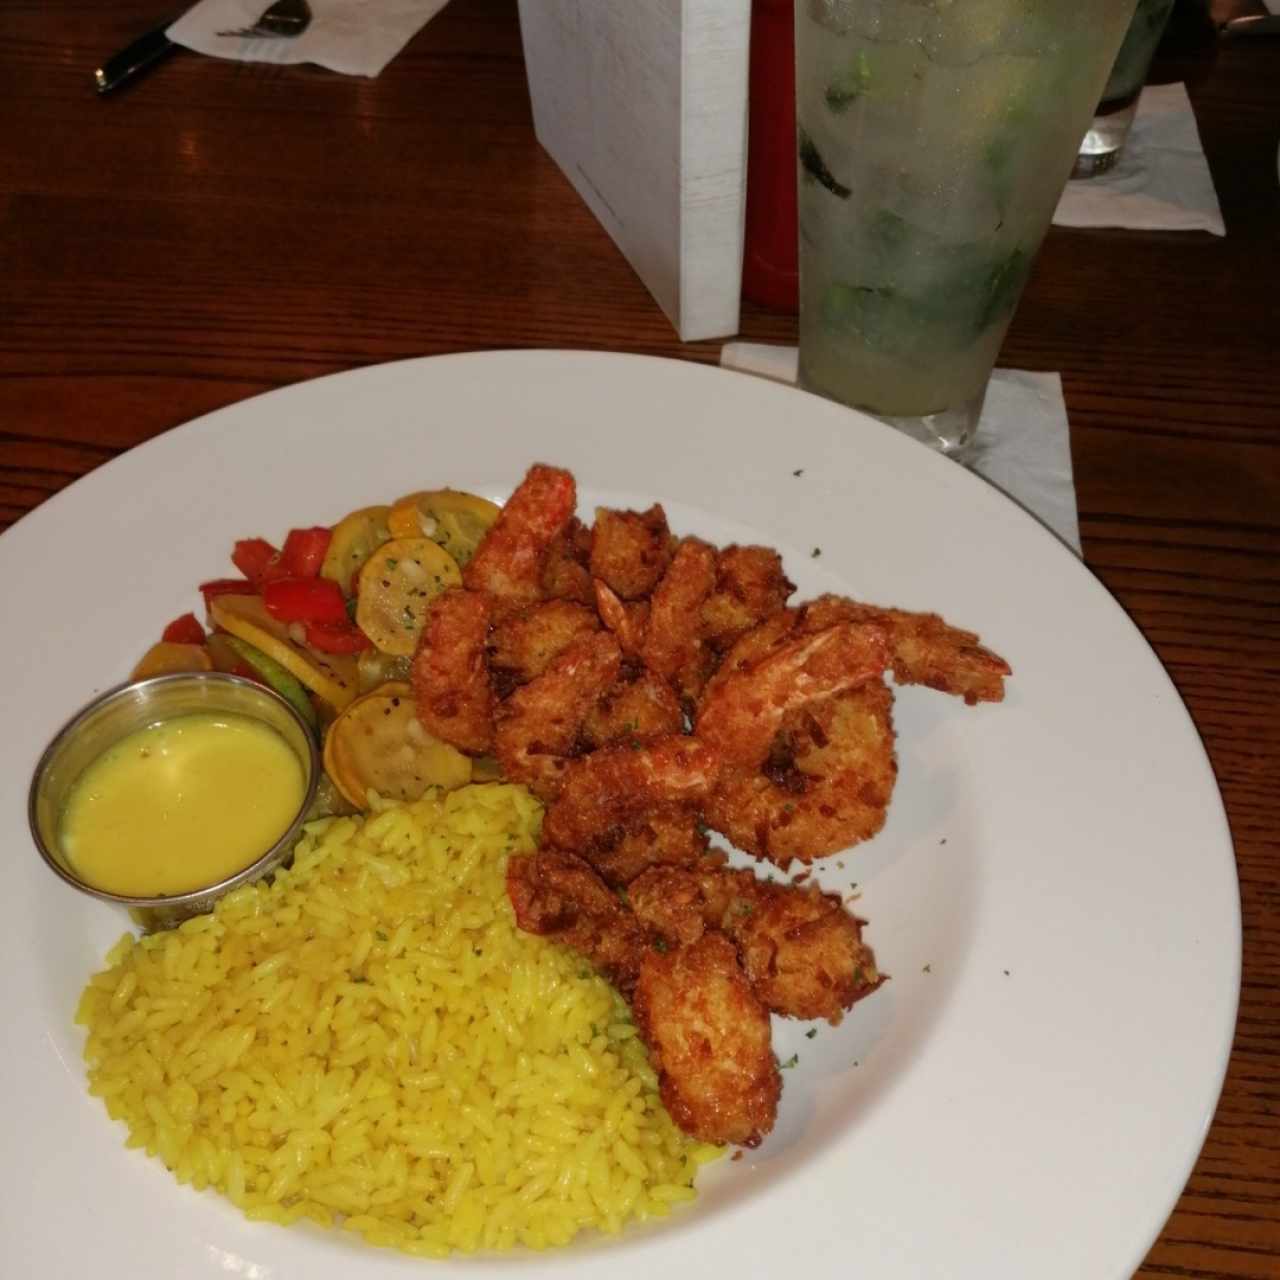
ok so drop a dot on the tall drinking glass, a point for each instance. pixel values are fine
(1114, 115)
(935, 138)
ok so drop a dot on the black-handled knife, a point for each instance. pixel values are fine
(132, 61)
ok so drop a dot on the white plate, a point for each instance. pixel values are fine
(1054, 894)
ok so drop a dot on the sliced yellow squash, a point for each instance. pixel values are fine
(456, 520)
(330, 676)
(166, 657)
(355, 538)
(377, 744)
(397, 584)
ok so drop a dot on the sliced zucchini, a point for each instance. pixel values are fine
(456, 520)
(330, 676)
(355, 538)
(397, 584)
(276, 677)
(377, 744)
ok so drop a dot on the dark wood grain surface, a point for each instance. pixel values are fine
(219, 230)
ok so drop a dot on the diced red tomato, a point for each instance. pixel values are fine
(304, 551)
(226, 587)
(337, 639)
(316, 600)
(254, 558)
(184, 630)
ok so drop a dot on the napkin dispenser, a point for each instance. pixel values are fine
(644, 108)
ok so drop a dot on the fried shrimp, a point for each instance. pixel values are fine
(538, 727)
(565, 572)
(639, 708)
(924, 649)
(450, 679)
(824, 784)
(524, 645)
(750, 587)
(669, 836)
(511, 557)
(801, 950)
(629, 622)
(614, 787)
(743, 710)
(674, 645)
(557, 895)
(709, 1038)
(630, 550)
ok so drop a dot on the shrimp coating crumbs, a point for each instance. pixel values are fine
(801, 950)
(670, 836)
(565, 575)
(524, 645)
(511, 557)
(611, 787)
(824, 785)
(742, 713)
(709, 1038)
(557, 895)
(450, 679)
(630, 550)
(540, 725)
(637, 709)
(924, 649)
(674, 645)
(750, 587)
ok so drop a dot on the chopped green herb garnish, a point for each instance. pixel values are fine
(790, 1062)
(813, 1031)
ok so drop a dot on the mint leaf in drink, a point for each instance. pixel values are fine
(816, 167)
(861, 311)
(1002, 286)
(850, 84)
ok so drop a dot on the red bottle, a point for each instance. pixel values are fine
(769, 261)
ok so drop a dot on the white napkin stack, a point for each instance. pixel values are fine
(1022, 446)
(1161, 181)
(356, 37)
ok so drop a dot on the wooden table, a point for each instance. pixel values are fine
(218, 230)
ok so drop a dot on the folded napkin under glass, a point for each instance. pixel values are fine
(1161, 182)
(1022, 445)
(356, 37)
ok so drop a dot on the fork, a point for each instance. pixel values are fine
(284, 19)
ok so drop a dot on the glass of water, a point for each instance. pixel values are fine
(935, 138)
(1114, 115)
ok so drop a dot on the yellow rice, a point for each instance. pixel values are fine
(369, 1041)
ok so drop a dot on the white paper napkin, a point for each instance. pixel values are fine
(1161, 181)
(1022, 445)
(357, 37)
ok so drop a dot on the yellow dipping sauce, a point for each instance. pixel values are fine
(181, 805)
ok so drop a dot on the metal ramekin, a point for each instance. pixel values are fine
(119, 712)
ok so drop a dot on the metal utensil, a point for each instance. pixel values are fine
(134, 59)
(283, 20)
(1256, 24)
